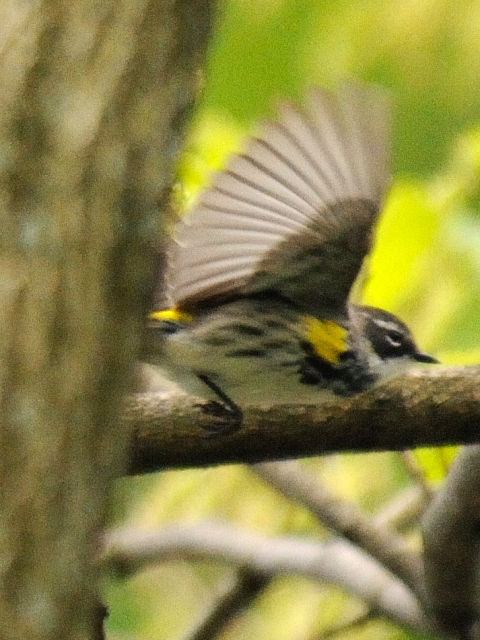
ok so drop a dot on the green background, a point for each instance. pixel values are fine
(426, 268)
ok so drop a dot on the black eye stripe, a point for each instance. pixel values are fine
(395, 334)
(394, 338)
(392, 342)
(388, 339)
(387, 336)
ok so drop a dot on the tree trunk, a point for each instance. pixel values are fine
(92, 101)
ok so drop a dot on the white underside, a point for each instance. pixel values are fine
(248, 383)
(249, 380)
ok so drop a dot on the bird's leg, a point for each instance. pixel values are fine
(229, 413)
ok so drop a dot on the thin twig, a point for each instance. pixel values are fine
(236, 594)
(417, 474)
(404, 510)
(336, 562)
(346, 519)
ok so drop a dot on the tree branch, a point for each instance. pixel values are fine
(237, 593)
(347, 520)
(336, 562)
(404, 511)
(424, 408)
(452, 545)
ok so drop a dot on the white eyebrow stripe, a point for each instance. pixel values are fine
(386, 324)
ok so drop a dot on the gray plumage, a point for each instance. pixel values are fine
(277, 241)
(295, 212)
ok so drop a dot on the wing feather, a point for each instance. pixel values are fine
(279, 203)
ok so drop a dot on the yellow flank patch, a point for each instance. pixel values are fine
(329, 340)
(172, 315)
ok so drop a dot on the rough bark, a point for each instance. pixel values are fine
(89, 93)
(427, 408)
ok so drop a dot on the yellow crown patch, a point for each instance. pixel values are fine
(329, 340)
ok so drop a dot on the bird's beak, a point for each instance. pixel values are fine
(425, 357)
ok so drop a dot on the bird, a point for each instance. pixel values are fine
(258, 301)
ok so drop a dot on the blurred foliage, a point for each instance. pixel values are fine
(426, 268)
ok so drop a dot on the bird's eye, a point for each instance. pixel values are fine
(394, 338)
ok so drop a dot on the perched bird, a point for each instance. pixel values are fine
(261, 271)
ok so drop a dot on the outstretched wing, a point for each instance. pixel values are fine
(295, 212)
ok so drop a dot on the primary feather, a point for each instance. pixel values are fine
(294, 213)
